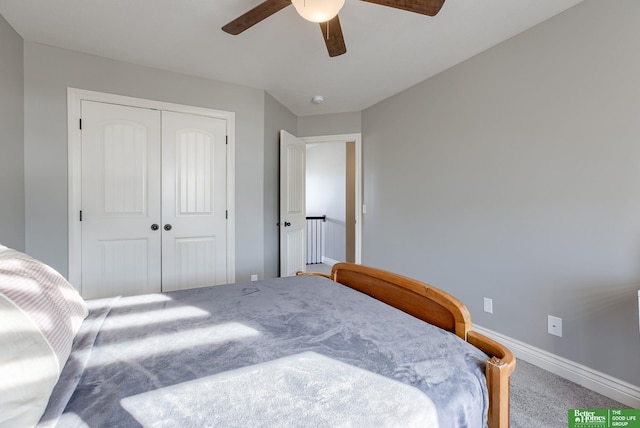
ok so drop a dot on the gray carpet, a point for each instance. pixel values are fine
(319, 267)
(542, 399)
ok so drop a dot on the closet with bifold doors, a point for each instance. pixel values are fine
(153, 200)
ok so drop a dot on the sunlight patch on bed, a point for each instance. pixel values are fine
(129, 301)
(155, 316)
(143, 299)
(171, 342)
(305, 389)
(71, 420)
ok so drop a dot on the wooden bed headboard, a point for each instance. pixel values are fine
(441, 309)
(421, 300)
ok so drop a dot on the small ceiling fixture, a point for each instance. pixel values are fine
(318, 10)
(318, 99)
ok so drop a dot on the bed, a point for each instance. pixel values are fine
(359, 347)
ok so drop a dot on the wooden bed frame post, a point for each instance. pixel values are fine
(498, 370)
(498, 386)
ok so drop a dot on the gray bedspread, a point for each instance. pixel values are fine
(300, 351)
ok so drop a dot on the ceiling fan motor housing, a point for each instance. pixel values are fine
(318, 10)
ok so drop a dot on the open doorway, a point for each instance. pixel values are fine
(332, 200)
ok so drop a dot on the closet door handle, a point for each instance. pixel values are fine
(287, 224)
(167, 227)
(155, 227)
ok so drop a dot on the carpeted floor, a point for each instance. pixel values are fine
(541, 399)
(319, 267)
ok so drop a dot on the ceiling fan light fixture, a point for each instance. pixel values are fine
(318, 10)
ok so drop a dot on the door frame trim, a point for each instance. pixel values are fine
(74, 140)
(357, 138)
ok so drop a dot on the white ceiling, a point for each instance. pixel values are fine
(388, 50)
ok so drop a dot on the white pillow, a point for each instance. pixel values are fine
(28, 368)
(54, 310)
(40, 291)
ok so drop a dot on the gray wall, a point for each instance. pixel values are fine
(516, 176)
(49, 71)
(11, 138)
(327, 194)
(330, 124)
(276, 117)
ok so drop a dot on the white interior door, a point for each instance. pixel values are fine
(292, 205)
(194, 201)
(120, 200)
(154, 200)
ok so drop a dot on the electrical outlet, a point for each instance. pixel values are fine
(254, 277)
(555, 326)
(488, 305)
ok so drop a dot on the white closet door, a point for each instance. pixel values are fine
(194, 201)
(120, 200)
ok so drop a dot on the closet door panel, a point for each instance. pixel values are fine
(120, 200)
(194, 203)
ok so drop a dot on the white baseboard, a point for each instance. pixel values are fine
(601, 383)
(328, 261)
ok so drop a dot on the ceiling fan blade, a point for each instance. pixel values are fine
(332, 32)
(425, 7)
(255, 15)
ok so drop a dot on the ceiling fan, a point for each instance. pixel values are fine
(324, 12)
